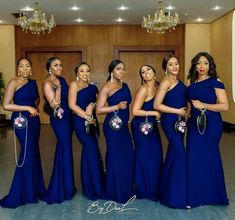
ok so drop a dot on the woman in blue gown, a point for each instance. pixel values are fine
(206, 93)
(82, 99)
(171, 101)
(114, 100)
(147, 141)
(55, 89)
(28, 184)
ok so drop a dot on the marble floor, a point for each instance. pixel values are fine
(82, 208)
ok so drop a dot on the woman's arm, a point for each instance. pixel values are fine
(8, 97)
(72, 99)
(220, 106)
(53, 96)
(138, 103)
(161, 93)
(102, 108)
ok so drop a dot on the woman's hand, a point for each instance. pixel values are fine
(89, 109)
(33, 111)
(182, 111)
(122, 105)
(198, 104)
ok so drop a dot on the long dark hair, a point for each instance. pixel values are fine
(193, 74)
(50, 61)
(79, 64)
(23, 58)
(166, 60)
(112, 65)
(148, 65)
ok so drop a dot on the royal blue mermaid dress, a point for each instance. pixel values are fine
(119, 151)
(61, 186)
(92, 173)
(148, 156)
(206, 185)
(173, 180)
(28, 184)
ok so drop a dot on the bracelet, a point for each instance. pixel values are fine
(89, 117)
(55, 102)
(93, 104)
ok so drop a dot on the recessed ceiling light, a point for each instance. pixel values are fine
(75, 8)
(123, 8)
(1, 21)
(217, 8)
(79, 20)
(27, 8)
(170, 7)
(199, 19)
(120, 19)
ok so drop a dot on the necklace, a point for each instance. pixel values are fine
(24, 81)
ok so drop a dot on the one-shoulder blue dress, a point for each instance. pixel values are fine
(92, 173)
(119, 151)
(206, 185)
(61, 186)
(148, 156)
(173, 189)
(28, 184)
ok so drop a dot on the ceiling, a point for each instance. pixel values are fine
(101, 12)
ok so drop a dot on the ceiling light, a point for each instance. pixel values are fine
(27, 8)
(75, 8)
(217, 8)
(37, 23)
(161, 22)
(170, 7)
(1, 21)
(122, 8)
(119, 20)
(79, 20)
(199, 19)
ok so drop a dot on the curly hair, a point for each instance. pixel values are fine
(193, 74)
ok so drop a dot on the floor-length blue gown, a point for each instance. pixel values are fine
(61, 186)
(119, 151)
(148, 156)
(92, 173)
(173, 180)
(204, 166)
(28, 184)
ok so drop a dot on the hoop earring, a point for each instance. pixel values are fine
(111, 78)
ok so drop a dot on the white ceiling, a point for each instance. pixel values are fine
(105, 11)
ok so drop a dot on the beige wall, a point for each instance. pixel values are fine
(197, 38)
(7, 53)
(221, 49)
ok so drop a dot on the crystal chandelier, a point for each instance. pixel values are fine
(161, 22)
(37, 23)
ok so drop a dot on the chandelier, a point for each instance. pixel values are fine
(37, 23)
(161, 22)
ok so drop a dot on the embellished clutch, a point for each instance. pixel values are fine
(180, 125)
(115, 122)
(146, 127)
(58, 112)
(201, 121)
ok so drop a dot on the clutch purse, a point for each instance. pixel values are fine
(91, 127)
(201, 121)
(58, 112)
(146, 127)
(180, 125)
(115, 122)
(20, 122)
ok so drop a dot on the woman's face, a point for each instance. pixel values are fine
(202, 66)
(147, 73)
(173, 66)
(24, 68)
(119, 71)
(56, 67)
(83, 72)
